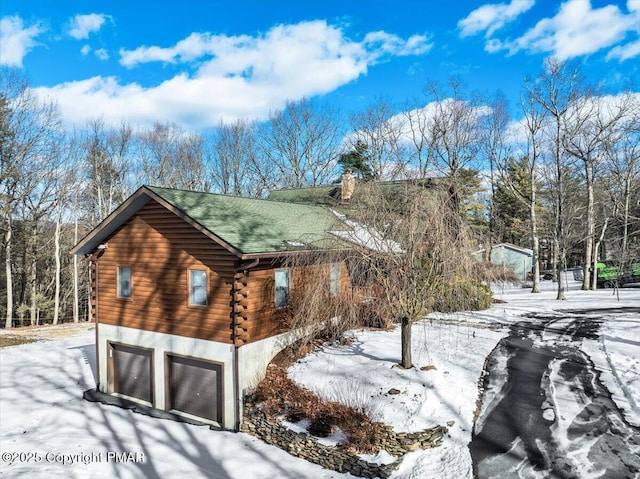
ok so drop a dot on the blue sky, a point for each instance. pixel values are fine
(199, 62)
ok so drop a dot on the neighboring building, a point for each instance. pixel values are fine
(516, 258)
(188, 294)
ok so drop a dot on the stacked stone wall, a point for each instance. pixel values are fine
(272, 431)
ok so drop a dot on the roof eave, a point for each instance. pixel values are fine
(111, 223)
(130, 207)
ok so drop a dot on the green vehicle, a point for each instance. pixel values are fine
(610, 274)
(632, 271)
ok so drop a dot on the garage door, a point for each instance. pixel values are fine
(195, 387)
(131, 371)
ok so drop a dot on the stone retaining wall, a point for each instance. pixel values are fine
(302, 445)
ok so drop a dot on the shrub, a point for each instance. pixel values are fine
(279, 395)
(462, 294)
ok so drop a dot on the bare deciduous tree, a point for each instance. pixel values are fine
(532, 125)
(556, 90)
(172, 157)
(234, 159)
(28, 130)
(302, 143)
(456, 134)
(382, 133)
(403, 243)
(597, 123)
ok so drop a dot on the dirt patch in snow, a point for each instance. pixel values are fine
(30, 334)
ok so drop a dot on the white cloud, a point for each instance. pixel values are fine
(631, 49)
(81, 26)
(577, 29)
(236, 52)
(16, 40)
(379, 44)
(102, 54)
(625, 52)
(492, 17)
(237, 77)
(85, 50)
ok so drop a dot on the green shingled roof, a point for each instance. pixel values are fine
(315, 195)
(255, 226)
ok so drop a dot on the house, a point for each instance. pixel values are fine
(516, 258)
(188, 294)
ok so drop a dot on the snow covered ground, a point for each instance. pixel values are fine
(51, 431)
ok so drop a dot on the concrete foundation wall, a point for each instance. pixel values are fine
(252, 358)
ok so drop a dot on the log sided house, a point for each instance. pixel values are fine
(188, 291)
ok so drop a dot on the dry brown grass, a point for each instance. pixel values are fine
(14, 340)
(30, 334)
(279, 395)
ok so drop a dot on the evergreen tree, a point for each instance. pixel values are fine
(357, 160)
(511, 214)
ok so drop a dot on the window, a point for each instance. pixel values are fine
(197, 287)
(334, 273)
(282, 288)
(124, 281)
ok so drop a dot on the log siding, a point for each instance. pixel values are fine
(161, 249)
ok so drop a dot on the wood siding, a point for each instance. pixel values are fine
(264, 319)
(160, 247)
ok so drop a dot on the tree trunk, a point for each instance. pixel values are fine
(56, 299)
(406, 342)
(535, 243)
(588, 250)
(7, 250)
(560, 233)
(34, 273)
(76, 292)
(625, 231)
(562, 276)
(596, 249)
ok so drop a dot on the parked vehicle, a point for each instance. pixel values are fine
(610, 274)
(631, 270)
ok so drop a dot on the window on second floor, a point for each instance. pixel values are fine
(124, 282)
(282, 288)
(197, 287)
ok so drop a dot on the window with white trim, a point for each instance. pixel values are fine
(197, 287)
(124, 282)
(282, 288)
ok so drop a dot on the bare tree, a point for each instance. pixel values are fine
(596, 123)
(65, 181)
(556, 90)
(234, 163)
(107, 167)
(418, 128)
(456, 135)
(172, 157)
(532, 125)
(622, 164)
(496, 148)
(382, 132)
(302, 143)
(403, 245)
(28, 128)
